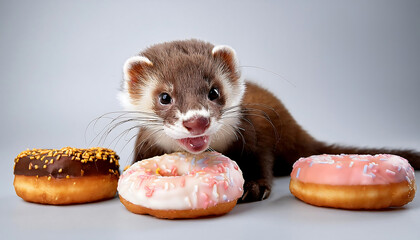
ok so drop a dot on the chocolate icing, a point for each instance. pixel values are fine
(67, 162)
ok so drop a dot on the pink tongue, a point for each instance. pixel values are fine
(195, 144)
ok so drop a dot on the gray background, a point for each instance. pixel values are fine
(347, 70)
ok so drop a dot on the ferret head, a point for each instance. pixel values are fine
(191, 88)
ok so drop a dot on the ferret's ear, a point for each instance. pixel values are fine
(236, 88)
(135, 70)
(135, 75)
(228, 56)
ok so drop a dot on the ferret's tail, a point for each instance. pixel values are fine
(412, 156)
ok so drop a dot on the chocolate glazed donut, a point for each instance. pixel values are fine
(66, 176)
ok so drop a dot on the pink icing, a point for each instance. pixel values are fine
(353, 169)
(182, 181)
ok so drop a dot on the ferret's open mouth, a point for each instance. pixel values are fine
(195, 145)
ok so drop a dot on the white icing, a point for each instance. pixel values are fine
(201, 181)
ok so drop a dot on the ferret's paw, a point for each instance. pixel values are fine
(256, 191)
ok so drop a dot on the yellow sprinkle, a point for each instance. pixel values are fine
(49, 178)
(60, 170)
(52, 161)
(58, 157)
(67, 176)
(157, 171)
(82, 172)
(46, 161)
(36, 166)
(45, 166)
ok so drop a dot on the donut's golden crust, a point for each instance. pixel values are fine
(219, 209)
(61, 191)
(354, 197)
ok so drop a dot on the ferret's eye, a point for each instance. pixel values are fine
(214, 94)
(165, 99)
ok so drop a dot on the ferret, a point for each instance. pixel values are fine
(190, 96)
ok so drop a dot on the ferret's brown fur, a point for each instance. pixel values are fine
(268, 139)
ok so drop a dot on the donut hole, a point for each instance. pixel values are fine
(167, 172)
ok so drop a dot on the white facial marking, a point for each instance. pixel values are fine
(178, 131)
(193, 113)
(226, 132)
(166, 143)
(221, 132)
(233, 91)
(146, 100)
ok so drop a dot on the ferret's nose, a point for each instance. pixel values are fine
(196, 125)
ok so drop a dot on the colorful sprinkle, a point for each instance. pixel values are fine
(365, 169)
(298, 172)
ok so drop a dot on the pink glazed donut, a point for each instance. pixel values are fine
(182, 185)
(353, 181)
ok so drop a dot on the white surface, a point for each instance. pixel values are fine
(281, 216)
(355, 65)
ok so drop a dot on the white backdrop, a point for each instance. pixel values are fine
(353, 66)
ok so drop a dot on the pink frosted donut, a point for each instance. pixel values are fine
(182, 185)
(353, 181)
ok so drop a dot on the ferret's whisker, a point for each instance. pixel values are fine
(139, 125)
(111, 128)
(210, 149)
(227, 132)
(142, 118)
(139, 146)
(132, 152)
(235, 130)
(122, 134)
(233, 112)
(155, 140)
(269, 71)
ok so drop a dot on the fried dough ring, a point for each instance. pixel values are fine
(356, 196)
(61, 191)
(218, 209)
